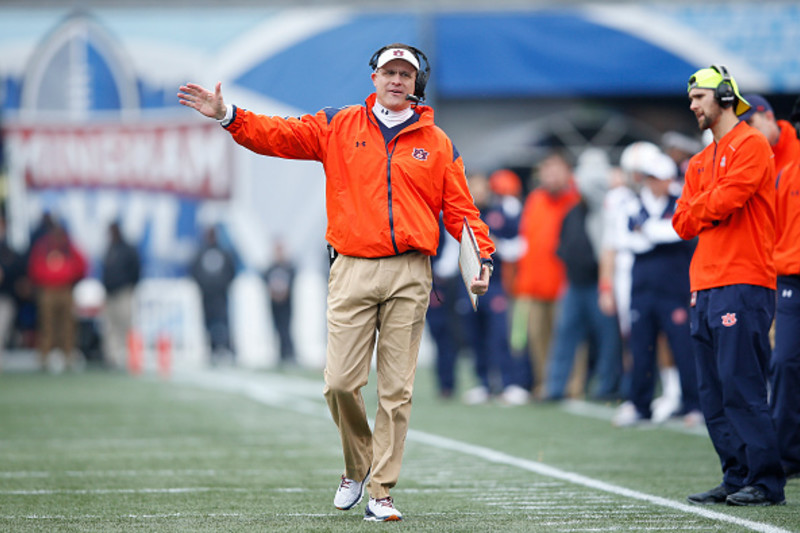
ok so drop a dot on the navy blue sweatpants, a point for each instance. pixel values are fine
(652, 313)
(730, 329)
(785, 372)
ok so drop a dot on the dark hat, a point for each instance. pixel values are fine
(758, 104)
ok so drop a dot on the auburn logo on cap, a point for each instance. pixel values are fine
(729, 319)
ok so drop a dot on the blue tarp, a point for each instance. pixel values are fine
(550, 53)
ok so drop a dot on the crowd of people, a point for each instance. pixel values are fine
(42, 292)
(657, 274)
(665, 268)
(588, 251)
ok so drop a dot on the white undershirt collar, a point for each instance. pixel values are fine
(391, 118)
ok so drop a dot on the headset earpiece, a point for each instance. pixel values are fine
(423, 74)
(724, 93)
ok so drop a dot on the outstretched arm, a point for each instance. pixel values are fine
(204, 101)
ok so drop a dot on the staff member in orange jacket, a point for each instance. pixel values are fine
(785, 364)
(728, 203)
(390, 172)
(779, 133)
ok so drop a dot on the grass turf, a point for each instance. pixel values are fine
(105, 452)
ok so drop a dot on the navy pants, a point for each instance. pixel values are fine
(730, 328)
(785, 372)
(442, 322)
(487, 332)
(652, 313)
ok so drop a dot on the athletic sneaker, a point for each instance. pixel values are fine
(476, 396)
(716, 495)
(626, 415)
(515, 395)
(349, 493)
(751, 496)
(664, 407)
(382, 510)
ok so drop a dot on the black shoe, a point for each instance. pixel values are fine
(709, 497)
(751, 496)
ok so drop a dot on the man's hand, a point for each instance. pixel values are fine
(480, 285)
(204, 101)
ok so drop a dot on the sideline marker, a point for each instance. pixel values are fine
(164, 350)
(135, 353)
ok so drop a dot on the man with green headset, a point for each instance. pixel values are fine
(728, 203)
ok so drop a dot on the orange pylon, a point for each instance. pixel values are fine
(164, 349)
(135, 353)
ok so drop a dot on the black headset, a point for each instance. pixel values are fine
(423, 74)
(724, 92)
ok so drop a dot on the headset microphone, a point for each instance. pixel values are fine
(412, 98)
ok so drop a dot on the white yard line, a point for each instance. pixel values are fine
(296, 394)
(168, 490)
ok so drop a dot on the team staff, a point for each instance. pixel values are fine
(389, 172)
(728, 203)
(779, 133)
(785, 364)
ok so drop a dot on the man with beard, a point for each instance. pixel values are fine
(728, 202)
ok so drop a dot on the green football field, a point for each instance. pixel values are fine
(230, 450)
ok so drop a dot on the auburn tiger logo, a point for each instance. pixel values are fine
(728, 319)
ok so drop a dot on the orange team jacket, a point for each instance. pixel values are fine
(787, 220)
(381, 199)
(540, 272)
(728, 201)
(787, 149)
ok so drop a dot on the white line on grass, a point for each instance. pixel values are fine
(169, 490)
(282, 391)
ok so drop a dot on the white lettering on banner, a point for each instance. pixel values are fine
(194, 160)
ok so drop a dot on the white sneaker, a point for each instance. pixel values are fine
(626, 416)
(349, 493)
(476, 396)
(664, 407)
(382, 510)
(515, 395)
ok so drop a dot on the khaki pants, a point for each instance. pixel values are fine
(57, 322)
(387, 297)
(540, 320)
(117, 318)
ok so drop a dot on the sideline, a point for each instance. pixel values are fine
(304, 396)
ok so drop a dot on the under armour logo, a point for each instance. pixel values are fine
(729, 319)
(361, 143)
(722, 162)
(420, 153)
(786, 293)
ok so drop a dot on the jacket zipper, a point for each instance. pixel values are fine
(389, 155)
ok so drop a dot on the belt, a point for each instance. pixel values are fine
(333, 254)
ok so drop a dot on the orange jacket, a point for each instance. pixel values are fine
(540, 272)
(381, 199)
(729, 201)
(787, 221)
(787, 149)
